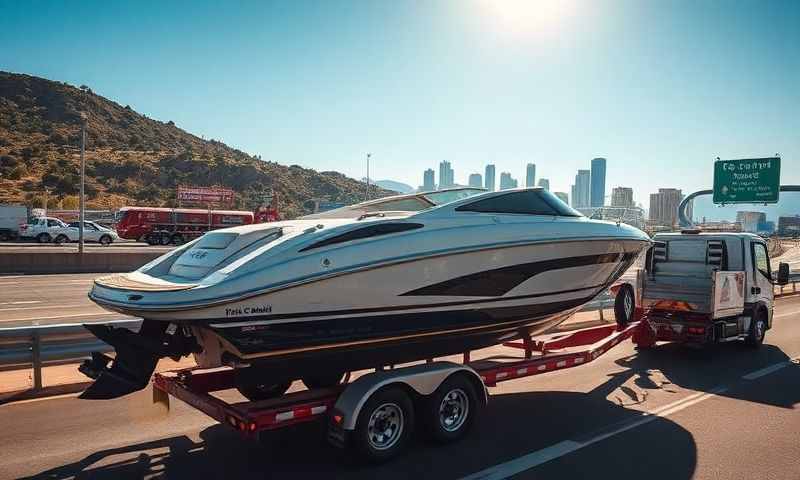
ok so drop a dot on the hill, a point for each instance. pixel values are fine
(394, 186)
(132, 159)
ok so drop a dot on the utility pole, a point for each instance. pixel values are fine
(83, 173)
(366, 194)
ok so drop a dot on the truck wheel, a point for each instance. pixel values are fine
(758, 328)
(323, 380)
(152, 238)
(44, 238)
(624, 304)
(451, 410)
(177, 239)
(164, 238)
(105, 240)
(384, 425)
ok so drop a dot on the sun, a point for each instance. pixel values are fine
(527, 17)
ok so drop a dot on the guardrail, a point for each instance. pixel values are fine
(38, 346)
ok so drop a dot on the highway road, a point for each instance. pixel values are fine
(49, 300)
(668, 413)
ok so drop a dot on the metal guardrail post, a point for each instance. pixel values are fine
(37, 359)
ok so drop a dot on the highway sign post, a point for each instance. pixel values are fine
(751, 180)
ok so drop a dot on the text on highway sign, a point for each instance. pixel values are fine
(751, 180)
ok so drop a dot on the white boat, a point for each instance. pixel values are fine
(315, 297)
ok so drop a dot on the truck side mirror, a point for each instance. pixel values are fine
(783, 273)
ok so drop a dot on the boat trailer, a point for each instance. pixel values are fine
(456, 387)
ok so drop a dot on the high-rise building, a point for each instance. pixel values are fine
(544, 183)
(475, 180)
(428, 181)
(562, 196)
(489, 177)
(789, 225)
(581, 191)
(507, 181)
(530, 175)
(750, 220)
(622, 197)
(445, 175)
(598, 189)
(664, 206)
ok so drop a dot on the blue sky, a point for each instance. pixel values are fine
(660, 88)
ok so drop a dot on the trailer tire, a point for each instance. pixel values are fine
(758, 329)
(44, 238)
(384, 426)
(323, 380)
(450, 411)
(624, 305)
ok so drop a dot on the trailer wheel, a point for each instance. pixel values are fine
(758, 329)
(44, 238)
(624, 304)
(323, 380)
(450, 411)
(384, 425)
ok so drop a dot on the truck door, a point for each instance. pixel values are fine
(761, 287)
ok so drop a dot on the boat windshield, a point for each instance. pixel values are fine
(401, 203)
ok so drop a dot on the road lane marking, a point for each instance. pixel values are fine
(57, 316)
(766, 371)
(40, 307)
(534, 459)
(28, 302)
(786, 314)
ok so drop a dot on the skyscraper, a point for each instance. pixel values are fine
(489, 177)
(622, 197)
(598, 189)
(507, 181)
(428, 181)
(581, 193)
(445, 175)
(664, 206)
(475, 180)
(562, 196)
(544, 183)
(530, 175)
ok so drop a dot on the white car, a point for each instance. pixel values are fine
(92, 232)
(43, 229)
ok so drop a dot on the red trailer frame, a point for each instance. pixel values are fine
(194, 386)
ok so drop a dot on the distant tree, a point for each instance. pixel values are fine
(17, 172)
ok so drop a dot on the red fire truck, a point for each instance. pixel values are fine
(165, 226)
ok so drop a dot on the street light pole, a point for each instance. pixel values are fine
(366, 194)
(83, 173)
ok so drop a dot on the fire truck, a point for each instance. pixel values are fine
(174, 226)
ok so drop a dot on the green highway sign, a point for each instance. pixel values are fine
(751, 180)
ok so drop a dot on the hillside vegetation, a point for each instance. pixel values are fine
(132, 159)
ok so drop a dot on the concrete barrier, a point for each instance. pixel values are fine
(41, 262)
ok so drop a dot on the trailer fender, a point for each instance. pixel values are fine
(423, 379)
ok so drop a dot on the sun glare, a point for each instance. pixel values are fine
(527, 17)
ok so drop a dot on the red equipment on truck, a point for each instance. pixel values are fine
(165, 226)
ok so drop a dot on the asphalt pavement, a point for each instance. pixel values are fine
(667, 413)
(49, 300)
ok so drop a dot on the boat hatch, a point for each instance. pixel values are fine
(125, 281)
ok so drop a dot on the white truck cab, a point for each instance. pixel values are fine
(41, 228)
(709, 287)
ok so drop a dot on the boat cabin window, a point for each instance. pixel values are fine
(366, 232)
(525, 202)
(413, 204)
(216, 240)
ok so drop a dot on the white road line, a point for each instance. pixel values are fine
(21, 302)
(18, 309)
(765, 371)
(786, 314)
(58, 316)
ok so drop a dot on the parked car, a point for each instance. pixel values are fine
(92, 232)
(43, 229)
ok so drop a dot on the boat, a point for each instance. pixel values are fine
(383, 282)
